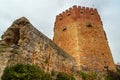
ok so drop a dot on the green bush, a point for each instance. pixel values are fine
(84, 75)
(25, 72)
(47, 77)
(64, 76)
(110, 75)
(89, 75)
(53, 72)
(32, 72)
(118, 74)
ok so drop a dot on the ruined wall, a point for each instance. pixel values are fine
(33, 47)
(37, 49)
(12, 34)
(79, 32)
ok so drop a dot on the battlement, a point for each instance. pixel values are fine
(78, 13)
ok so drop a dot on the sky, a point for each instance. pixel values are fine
(42, 14)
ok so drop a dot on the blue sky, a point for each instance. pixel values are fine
(42, 13)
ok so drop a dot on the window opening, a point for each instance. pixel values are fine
(89, 25)
(64, 28)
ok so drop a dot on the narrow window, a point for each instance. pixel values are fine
(92, 13)
(68, 14)
(60, 18)
(64, 28)
(103, 54)
(81, 12)
(89, 25)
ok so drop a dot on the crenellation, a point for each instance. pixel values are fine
(70, 9)
(78, 13)
(87, 10)
(79, 7)
(82, 10)
(74, 7)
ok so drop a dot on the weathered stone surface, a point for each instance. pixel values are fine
(29, 46)
(12, 35)
(79, 32)
(5, 52)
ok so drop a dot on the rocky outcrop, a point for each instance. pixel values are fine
(29, 46)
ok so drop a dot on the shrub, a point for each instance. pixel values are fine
(53, 73)
(24, 72)
(47, 77)
(84, 75)
(89, 75)
(32, 72)
(64, 76)
(110, 75)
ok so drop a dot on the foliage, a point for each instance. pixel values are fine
(108, 77)
(47, 77)
(94, 76)
(64, 76)
(118, 68)
(118, 74)
(53, 73)
(89, 75)
(84, 75)
(25, 72)
(32, 72)
(112, 75)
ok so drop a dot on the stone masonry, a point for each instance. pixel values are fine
(22, 43)
(79, 31)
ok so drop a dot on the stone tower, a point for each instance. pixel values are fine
(79, 31)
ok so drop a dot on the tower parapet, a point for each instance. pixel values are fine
(78, 13)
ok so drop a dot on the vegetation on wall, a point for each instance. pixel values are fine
(25, 72)
(108, 75)
(89, 76)
(64, 76)
(32, 72)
